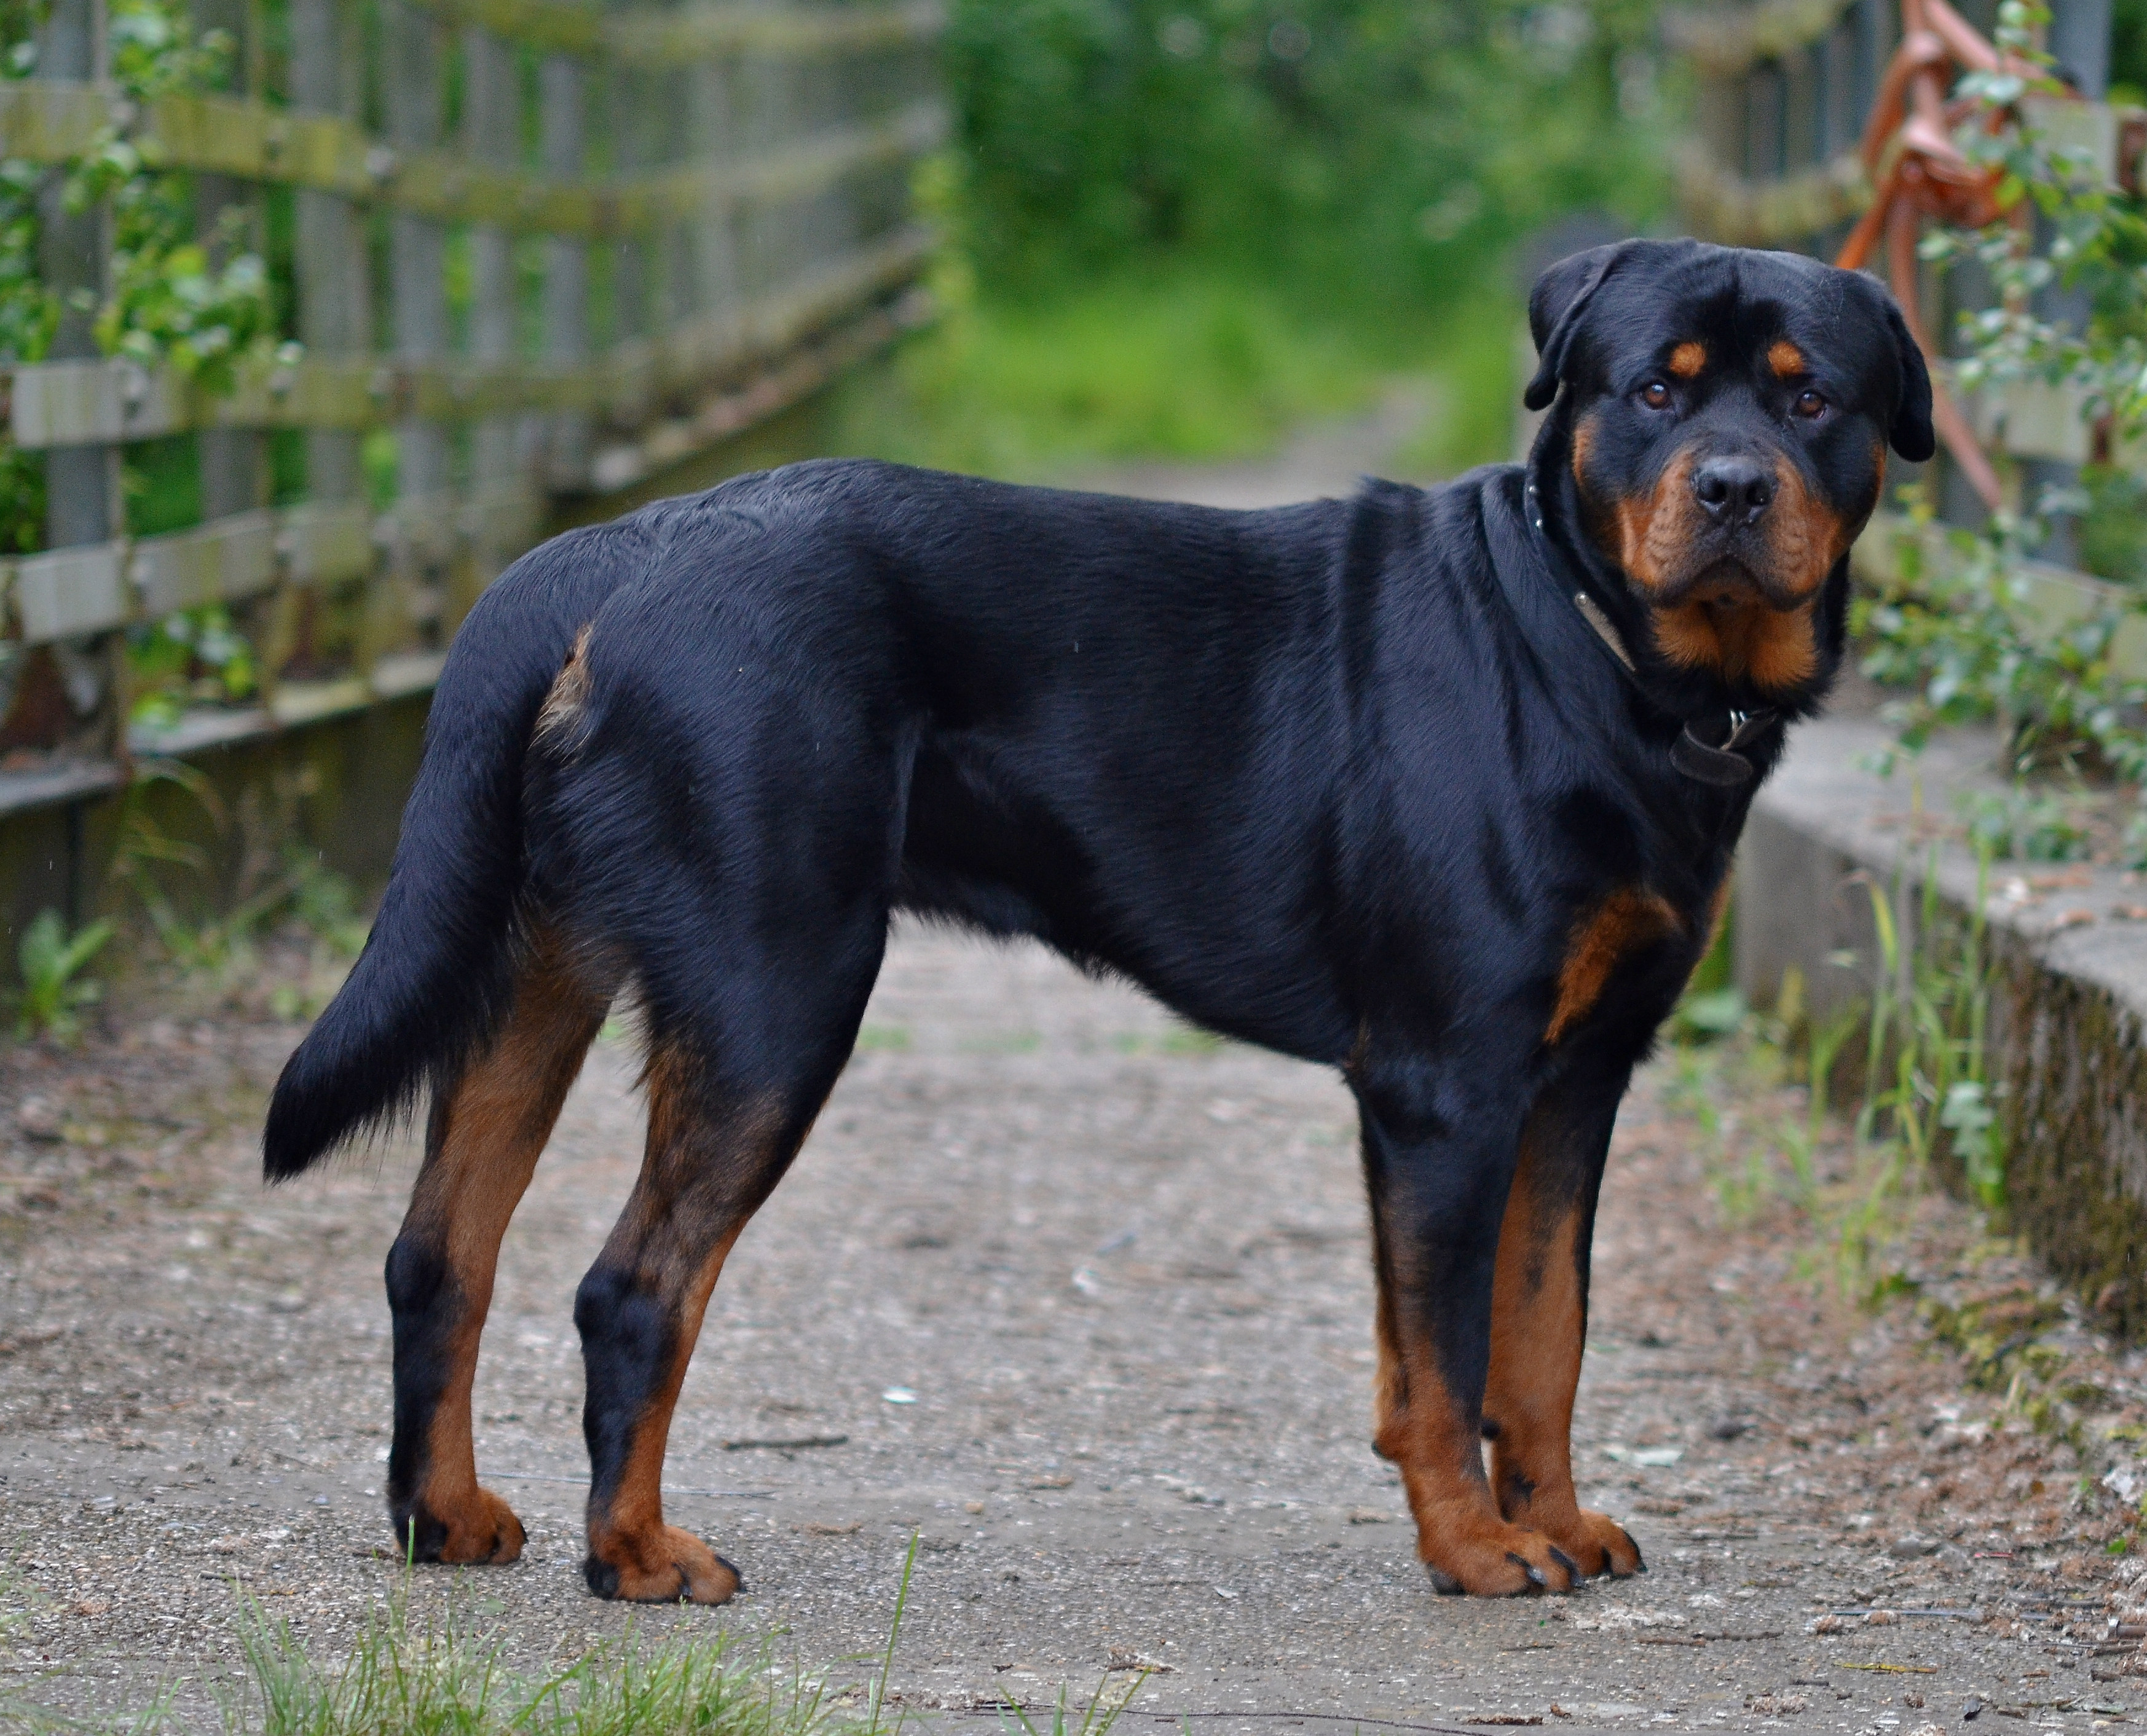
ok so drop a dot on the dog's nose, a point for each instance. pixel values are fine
(1734, 491)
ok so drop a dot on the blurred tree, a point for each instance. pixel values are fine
(1373, 148)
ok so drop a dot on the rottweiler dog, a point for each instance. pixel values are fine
(1437, 787)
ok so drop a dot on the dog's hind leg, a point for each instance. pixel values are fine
(481, 1147)
(1539, 1319)
(716, 1150)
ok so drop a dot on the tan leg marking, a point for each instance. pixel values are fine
(1460, 1534)
(1537, 1324)
(484, 1143)
(701, 1182)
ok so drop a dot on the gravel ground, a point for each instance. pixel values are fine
(1081, 1298)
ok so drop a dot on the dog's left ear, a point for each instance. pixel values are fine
(1556, 306)
(1911, 433)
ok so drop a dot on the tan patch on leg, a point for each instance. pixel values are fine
(1688, 359)
(1437, 1448)
(487, 1135)
(1539, 1323)
(1628, 918)
(1461, 1535)
(701, 1180)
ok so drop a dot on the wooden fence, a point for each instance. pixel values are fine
(650, 227)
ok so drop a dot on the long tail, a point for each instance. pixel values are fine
(438, 968)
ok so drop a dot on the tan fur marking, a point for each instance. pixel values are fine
(491, 1132)
(1786, 359)
(1688, 359)
(1627, 920)
(1654, 530)
(1537, 1325)
(1583, 442)
(701, 1182)
(562, 705)
(1439, 1453)
(1773, 648)
(1805, 536)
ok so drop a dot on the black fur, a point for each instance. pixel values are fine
(1343, 779)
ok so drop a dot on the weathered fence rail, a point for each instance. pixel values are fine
(540, 250)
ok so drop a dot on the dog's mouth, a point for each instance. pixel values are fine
(1734, 583)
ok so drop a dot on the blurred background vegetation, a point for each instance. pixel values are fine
(1178, 227)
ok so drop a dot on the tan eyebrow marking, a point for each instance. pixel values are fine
(1785, 359)
(1687, 358)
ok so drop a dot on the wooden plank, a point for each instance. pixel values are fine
(53, 404)
(211, 135)
(68, 593)
(225, 560)
(676, 37)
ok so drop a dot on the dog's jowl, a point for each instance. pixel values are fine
(1438, 787)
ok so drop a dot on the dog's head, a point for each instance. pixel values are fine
(1725, 423)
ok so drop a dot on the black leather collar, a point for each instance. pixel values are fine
(1722, 765)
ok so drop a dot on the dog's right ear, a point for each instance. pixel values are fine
(1556, 307)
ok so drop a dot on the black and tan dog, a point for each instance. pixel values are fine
(1437, 787)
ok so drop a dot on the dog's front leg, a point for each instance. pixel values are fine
(1539, 1319)
(1439, 1147)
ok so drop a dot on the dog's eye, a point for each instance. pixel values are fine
(1809, 404)
(1655, 395)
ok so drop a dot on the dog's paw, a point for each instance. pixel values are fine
(476, 1526)
(1599, 1544)
(1494, 1560)
(665, 1566)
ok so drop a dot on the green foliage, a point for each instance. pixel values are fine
(195, 657)
(54, 990)
(1381, 147)
(1964, 636)
(1926, 1092)
(2024, 822)
(174, 300)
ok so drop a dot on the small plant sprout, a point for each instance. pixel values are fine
(53, 986)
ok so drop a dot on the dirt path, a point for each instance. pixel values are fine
(1082, 1299)
(1123, 1273)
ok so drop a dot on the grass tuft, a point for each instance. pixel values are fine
(440, 1680)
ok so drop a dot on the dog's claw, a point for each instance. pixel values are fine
(1573, 1573)
(1528, 1567)
(1639, 1561)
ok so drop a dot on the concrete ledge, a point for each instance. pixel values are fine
(2068, 1013)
